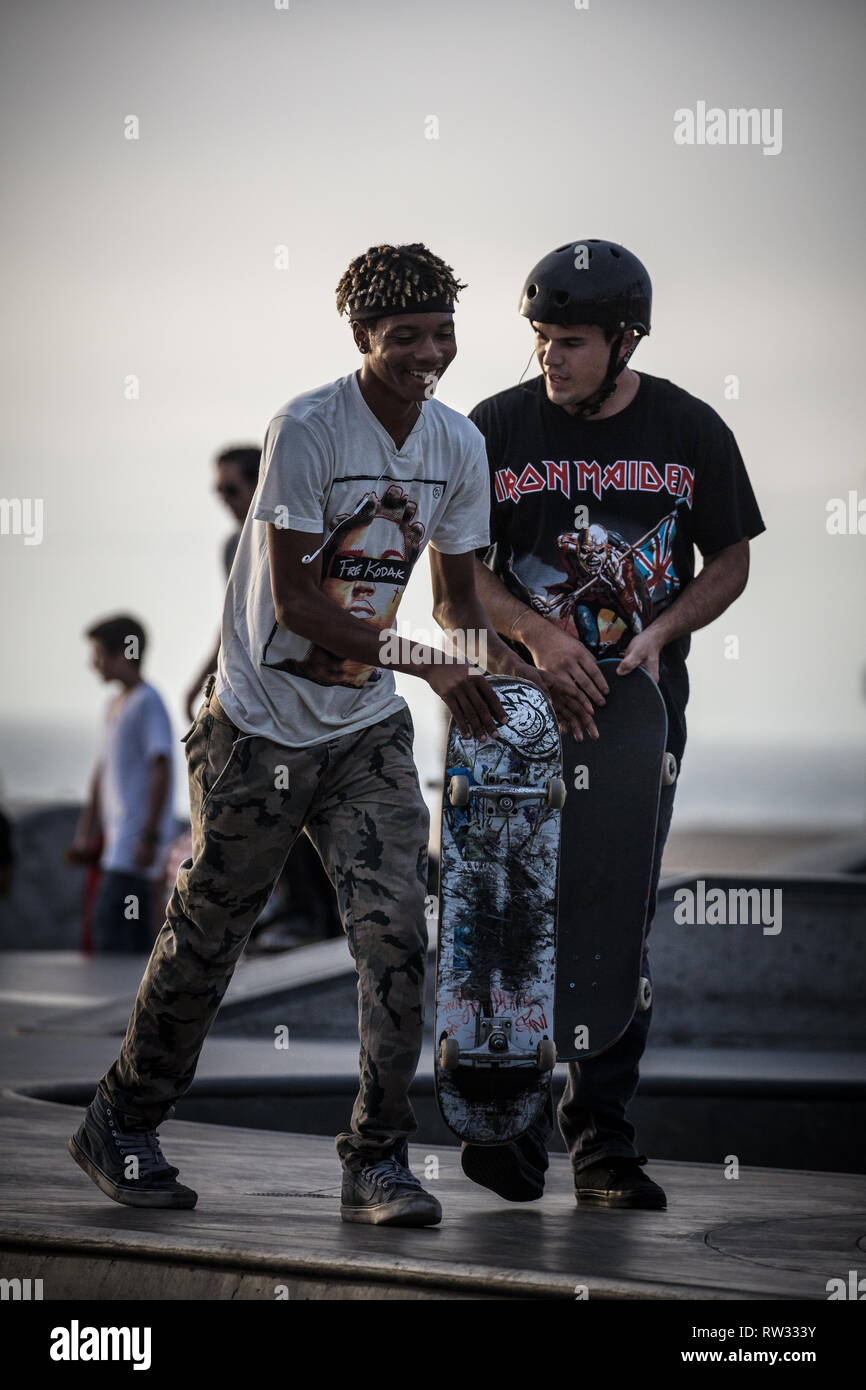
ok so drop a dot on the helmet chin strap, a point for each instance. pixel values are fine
(592, 405)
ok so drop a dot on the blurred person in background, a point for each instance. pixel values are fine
(303, 906)
(130, 797)
(237, 476)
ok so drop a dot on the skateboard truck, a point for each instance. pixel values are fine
(495, 1032)
(507, 796)
(494, 1036)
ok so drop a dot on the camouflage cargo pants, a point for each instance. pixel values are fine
(359, 800)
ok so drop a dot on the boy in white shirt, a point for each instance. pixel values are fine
(304, 730)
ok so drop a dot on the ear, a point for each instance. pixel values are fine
(361, 334)
(628, 344)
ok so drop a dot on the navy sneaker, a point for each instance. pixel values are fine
(515, 1170)
(618, 1182)
(387, 1193)
(105, 1151)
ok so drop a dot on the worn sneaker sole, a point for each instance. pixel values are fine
(620, 1201)
(501, 1168)
(403, 1211)
(143, 1197)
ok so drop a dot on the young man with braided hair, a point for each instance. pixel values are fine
(602, 484)
(303, 730)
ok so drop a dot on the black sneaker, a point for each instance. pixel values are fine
(387, 1193)
(514, 1171)
(618, 1182)
(103, 1150)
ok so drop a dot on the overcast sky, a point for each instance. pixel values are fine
(307, 128)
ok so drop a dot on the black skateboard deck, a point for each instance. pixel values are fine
(495, 961)
(608, 846)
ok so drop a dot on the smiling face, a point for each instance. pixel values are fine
(574, 360)
(408, 353)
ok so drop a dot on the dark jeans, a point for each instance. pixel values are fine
(592, 1113)
(122, 913)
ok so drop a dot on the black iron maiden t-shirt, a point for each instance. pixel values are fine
(594, 522)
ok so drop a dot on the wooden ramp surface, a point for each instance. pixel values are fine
(268, 1216)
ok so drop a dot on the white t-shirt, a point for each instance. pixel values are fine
(329, 467)
(136, 731)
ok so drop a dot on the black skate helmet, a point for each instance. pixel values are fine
(595, 282)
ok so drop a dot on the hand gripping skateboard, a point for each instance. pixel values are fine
(495, 961)
(608, 836)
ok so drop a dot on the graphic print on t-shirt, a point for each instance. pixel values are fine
(366, 564)
(612, 588)
(605, 581)
(595, 523)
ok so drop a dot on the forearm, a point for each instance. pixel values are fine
(305, 609)
(721, 581)
(89, 819)
(509, 615)
(313, 615)
(474, 632)
(498, 602)
(157, 795)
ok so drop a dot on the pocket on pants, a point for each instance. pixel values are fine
(217, 775)
(197, 749)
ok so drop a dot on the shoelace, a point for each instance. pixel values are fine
(389, 1171)
(144, 1146)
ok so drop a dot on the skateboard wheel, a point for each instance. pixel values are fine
(644, 995)
(458, 790)
(669, 770)
(546, 1054)
(556, 793)
(449, 1054)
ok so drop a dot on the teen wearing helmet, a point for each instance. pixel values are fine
(603, 483)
